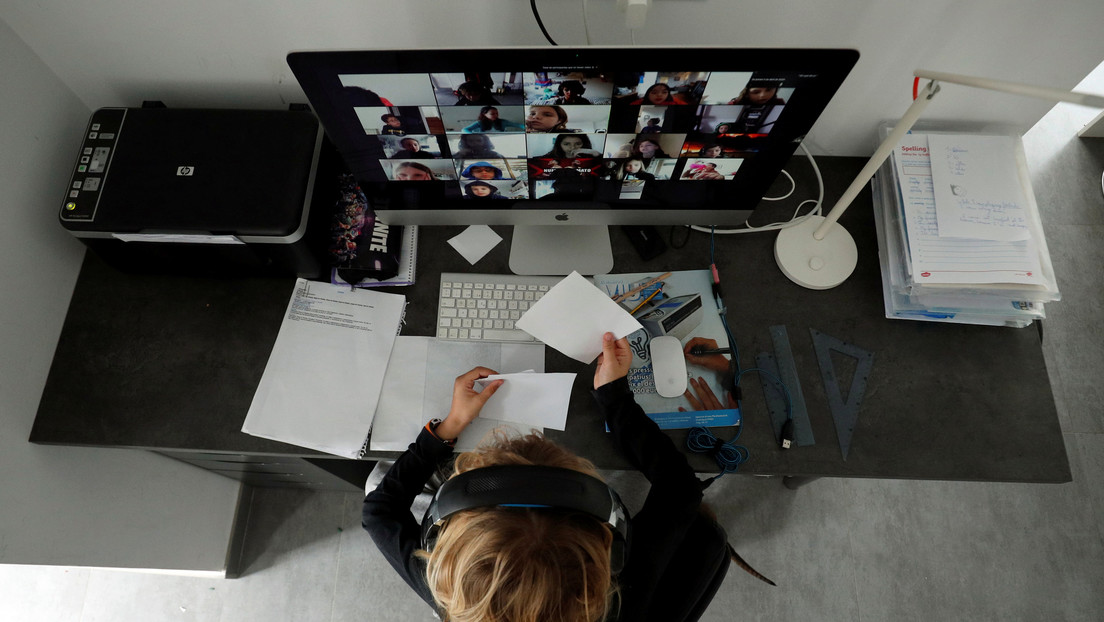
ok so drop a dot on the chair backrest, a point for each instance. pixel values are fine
(695, 572)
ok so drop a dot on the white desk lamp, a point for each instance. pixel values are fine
(819, 253)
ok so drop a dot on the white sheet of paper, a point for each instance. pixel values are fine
(977, 188)
(323, 378)
(536, 400)
(475, 242)
(573, 316)
(939, 259)
(418, 387)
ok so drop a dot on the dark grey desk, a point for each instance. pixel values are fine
(170, 364)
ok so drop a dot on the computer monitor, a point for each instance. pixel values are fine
(568, 136)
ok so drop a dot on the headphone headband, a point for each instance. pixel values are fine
(533, 487)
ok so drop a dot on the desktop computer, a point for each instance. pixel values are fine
(540, 138)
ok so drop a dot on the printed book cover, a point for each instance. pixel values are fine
(680, 305)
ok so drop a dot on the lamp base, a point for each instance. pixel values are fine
(813, 263)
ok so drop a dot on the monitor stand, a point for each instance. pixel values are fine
(561, 249)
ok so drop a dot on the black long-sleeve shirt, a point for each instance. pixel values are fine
(657, 529)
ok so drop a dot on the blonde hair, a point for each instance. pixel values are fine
(521, 564)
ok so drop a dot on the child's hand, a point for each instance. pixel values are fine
(614, 361)
(466, 402)
(705, 398)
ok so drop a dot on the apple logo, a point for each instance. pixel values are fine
(561, 217)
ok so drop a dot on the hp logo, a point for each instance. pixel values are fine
(185, 171)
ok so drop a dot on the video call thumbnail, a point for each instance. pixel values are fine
(568, 89)
(535, 134)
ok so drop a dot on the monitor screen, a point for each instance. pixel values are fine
(577, 135)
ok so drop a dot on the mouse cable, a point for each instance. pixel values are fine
(794, 220)
(536, 15)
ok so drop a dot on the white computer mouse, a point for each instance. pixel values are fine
(668, 366)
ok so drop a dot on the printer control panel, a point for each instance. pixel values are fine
(87, 181)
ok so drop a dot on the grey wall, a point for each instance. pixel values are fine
(210, 52)
(66, 505)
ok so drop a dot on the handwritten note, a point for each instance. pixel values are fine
(937, 258)
(977, 188)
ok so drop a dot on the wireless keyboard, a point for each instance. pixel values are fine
(484, 307)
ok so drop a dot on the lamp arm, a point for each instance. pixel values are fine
(904, 125)
(1073, 97)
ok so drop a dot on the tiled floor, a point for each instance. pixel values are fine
(855, 550)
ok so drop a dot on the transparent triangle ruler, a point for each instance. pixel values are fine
(844, 413)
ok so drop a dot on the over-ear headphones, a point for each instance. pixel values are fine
(522, 486)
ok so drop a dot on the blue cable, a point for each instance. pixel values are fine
(729, 456)
(777, 381)
(722, 310)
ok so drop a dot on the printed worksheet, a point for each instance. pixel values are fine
(938, 258)
(325, 373)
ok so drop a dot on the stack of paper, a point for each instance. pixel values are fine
(325, 373)
(959, 234)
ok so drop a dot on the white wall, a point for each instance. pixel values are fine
(66, 505)
(212, 52)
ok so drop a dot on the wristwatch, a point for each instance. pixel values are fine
(431, 427)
